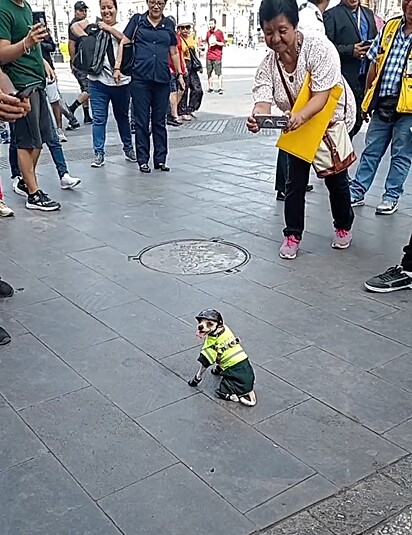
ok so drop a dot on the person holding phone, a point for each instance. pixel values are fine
(20, 53)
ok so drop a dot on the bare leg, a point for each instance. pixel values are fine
(28, 159)
(219, 82)
(57, 114)
(174, 104)
(210, 82)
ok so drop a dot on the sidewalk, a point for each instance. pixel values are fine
(100, 432)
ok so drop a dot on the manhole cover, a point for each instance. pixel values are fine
(193, 257)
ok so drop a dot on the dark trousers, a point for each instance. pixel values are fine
(193, 93)
(150, 99)
(281, 171)
(407, 257)
(296, 181)
(359, 92)
(55, 149)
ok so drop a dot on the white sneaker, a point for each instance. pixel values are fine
(387, 207)
(61, 136)
(5, 211)
(69, 182)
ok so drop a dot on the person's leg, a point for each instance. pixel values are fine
(13, 159)
(218, 71)
(377, 140)
(141, 95)
(120, 98)
(401, 158)
(209, 70)
(160, 97)
(100, 99)
(83, 98)
(281, 173)
(57, 155)
(196, 92)
(358, 93)
(28, 159)
(342, 212)
(182, 108)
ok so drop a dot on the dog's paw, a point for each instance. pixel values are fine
(217, 371)
(194, 382)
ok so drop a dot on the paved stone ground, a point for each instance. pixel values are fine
(100, 433)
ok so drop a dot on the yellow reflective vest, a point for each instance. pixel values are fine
(405, 96)
(224, 349)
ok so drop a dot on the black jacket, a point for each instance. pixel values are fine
(48, 46)
(342, 30)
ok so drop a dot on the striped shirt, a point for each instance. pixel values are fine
(395, 62)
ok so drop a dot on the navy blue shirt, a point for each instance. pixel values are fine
(152, 44)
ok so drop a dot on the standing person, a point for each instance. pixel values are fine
(20, 53)
(193, 94)
(292, 56)
(80, 13)
(310, 21)
(351, 27)
(104, 90)
(388, 99)
(154, 38)
(215, 42)
(176, 94)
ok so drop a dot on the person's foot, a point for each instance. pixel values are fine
(88, 120)
(192, 114)
(61, 136)
(357, 202)
(186, 117)
(387, 207)
(220, 91)
(289, 248)
(73, 125)
(5, 211)
(342, 239)
(210, 90)
(19, 186)
(69, 182)
(280, 196)
(5, 338)
(130, 156)
(173, 121)
(98, 160)
(393, 279)
(162, 167)
(41, 201)
(6, 290)
(144, 168)
(309, 187)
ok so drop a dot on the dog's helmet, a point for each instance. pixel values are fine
(210, 314)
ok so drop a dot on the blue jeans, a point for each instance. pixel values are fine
(55, 149)
(100, 97)
(378, 137)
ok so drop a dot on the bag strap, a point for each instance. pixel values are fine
(136, 28)
(282, 77)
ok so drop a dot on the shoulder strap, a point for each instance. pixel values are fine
(137, 27)
(282, 77)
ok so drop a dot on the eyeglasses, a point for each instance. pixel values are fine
(153, 3)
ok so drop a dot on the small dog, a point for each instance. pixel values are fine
(232, 364)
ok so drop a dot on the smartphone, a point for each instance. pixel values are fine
(26, 91)
(277, 122)
(366, 43)
(39, 17)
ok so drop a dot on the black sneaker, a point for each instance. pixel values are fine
(73, 125)
(41, 201)
(393, 279)
(5, 289)
(19, 186)
(87, 120)
(5, 338)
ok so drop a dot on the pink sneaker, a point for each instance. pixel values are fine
(343, 239)
(289, 248)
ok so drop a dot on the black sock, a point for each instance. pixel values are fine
(73, 107)
(86, 113)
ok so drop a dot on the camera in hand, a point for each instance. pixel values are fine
(39, 17)
(277, 122)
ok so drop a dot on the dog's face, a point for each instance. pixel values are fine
(205, 327)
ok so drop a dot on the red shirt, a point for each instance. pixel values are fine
(215, 52)
(183, 69)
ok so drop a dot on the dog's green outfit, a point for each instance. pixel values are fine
(225, 350)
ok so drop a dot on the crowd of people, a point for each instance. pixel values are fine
(151, 68)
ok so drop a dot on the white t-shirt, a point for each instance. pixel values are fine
(319, 57)
(310, 18)
(106, 76)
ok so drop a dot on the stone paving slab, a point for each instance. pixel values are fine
(102, 350)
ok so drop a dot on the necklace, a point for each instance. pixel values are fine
(291, 75)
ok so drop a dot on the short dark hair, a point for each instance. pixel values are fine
(114, 3)
(213, 20)
(270, 9)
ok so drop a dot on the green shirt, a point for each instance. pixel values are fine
(15, 23)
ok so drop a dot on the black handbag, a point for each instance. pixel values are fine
(91, 51)
(126, 66)
(195, 63)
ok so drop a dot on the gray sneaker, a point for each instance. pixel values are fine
(342, 239)
(387, 207)
(130, 156)
(357, 202)
(98, 161)
(289, 248)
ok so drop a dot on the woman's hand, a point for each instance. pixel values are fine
(103, 26)
(295, 120)
(12, 108)
(117, 75)
(252, 125)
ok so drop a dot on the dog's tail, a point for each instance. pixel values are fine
(251, 402)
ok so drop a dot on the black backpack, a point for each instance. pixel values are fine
(92, 50)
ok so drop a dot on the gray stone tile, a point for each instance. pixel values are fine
(397, 372)
(39, 497)
(362, 507)
(123, 374)
(108, 450)
(91, 291)
(302, 524)
(150, 329)
(352, 343)
(191, 428)
(163, 497)
(18, 443)
(274, 395)
(31, 373)
(358, 394)
(301, 496)
(338, 448)
(266, 273)
(401, 435)
(395, 326)
(107, 261)
(12, 326)
(401, 473)
(68, 240)
(62, 326)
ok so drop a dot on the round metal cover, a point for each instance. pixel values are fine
(193, 257)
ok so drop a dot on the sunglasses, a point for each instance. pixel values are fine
(184, 27)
